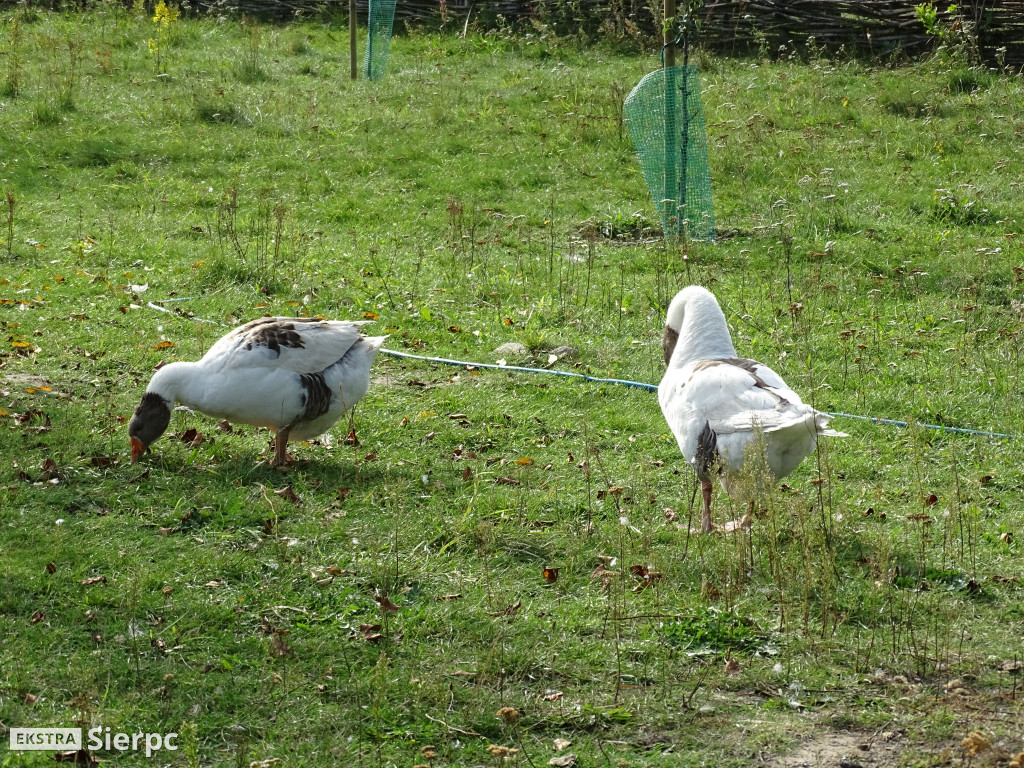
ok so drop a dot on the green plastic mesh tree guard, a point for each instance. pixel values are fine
(378, 39)
(670, 139)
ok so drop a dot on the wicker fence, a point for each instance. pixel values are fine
(880, 28)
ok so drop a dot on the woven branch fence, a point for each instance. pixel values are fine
(880, 28)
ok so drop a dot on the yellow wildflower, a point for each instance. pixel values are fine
(165, 14)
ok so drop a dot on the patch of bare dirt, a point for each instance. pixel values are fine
(844, 749)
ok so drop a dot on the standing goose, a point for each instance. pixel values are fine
(719, 405)
(295, 376)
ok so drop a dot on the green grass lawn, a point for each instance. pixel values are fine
(401, 594)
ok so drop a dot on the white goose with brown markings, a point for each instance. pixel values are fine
(295, 376)
(721, 407)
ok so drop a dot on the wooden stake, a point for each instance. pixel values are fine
(670, 50)
(352, 39)
(671, 172)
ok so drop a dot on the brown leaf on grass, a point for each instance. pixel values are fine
(385, 604)
(212, 584)
(102, 461)
(269, 525)
(281, 648)
(507, 481)
(467, 473)
(646, 576)
(601, 573)
(31, 699)
(526, 461)
(370, 456)
(342, 493)
(158, 643)
(512, 610)
(167, 531)
(350, 438)
(188, 435)
(78, 757)
(336, 571)
(565, 761)
(932, 499)
(268, 628)
(371, 632)
(167, 591)
(556, 696)
(49, 469)
(163, 345)
(732, 667)
(288, 493)
(443, 598)
(224, 426)
(37, 617)
(550, 574)
(198, 440)
(51, 568)
(93, 580)
(923, 517)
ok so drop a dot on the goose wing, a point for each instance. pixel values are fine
(299, 345)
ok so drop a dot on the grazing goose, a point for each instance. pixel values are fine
(296, 376)
(719, 405)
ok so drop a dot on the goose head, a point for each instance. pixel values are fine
(695, 328)
(149, 421)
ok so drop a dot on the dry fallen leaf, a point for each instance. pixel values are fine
(550, 574)
(512, 610)
(281, 648)
(561, 744)
(93, 580)
(79, 757)
(288, 493)
(732, 667)
(31, 699)
(385, 603)
(563, 761)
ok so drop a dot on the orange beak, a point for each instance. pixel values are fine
(137, 449)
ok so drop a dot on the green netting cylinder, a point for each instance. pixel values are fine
(665, 119)
(378, 38)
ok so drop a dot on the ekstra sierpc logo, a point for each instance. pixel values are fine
(60, 739)
(45, 739)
